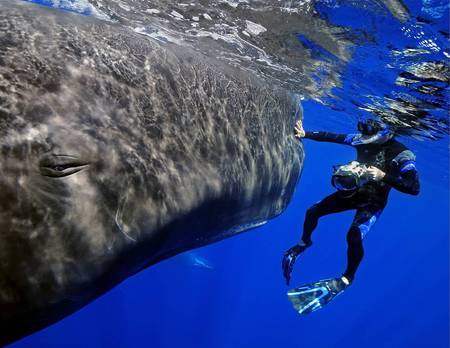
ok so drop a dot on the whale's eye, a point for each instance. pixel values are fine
(61, 165)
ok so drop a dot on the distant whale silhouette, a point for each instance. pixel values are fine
(118, 152)
(194, 259)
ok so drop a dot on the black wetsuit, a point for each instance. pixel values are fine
(391, 157)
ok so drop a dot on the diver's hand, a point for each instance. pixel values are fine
(289, 260)
(299, 131)
(375, 174)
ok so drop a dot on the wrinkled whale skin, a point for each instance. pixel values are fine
(118, 152)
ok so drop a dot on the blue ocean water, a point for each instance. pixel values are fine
(399, 297)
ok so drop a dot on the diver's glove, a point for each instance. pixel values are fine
(299, 132)
(289, 259)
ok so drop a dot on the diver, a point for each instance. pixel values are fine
(362, 185)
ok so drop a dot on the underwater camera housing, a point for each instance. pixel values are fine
(349, 177)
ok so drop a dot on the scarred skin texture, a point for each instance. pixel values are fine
(118, 152)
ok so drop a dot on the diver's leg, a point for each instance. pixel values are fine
(334, 203)
(364, 219)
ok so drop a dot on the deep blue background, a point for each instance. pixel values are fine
(400, 297)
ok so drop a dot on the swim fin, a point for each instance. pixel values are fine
(311, 297)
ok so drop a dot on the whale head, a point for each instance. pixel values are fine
(117, 152)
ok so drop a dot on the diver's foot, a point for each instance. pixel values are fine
(345, 280)
(298, 249)
(338, 285)
(290, 257)
(305, 244)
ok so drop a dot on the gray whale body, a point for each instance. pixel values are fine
(118, 152)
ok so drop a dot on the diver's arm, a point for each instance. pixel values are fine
(330, 137)
(322, 136)
(407, 182)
